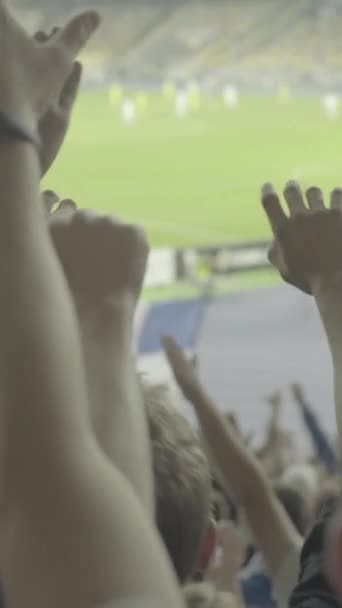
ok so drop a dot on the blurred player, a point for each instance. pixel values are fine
(283, 93)
(194, 96)
(231, 96)
(115, 94)
(169, 90)
(129, 112)
(181, 104)
(331, 104)
(141, 101)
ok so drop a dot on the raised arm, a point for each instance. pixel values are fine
(307, 251)
(321, 441)
(69, 519)
(273, 531)
(91, 253)
(38, 381)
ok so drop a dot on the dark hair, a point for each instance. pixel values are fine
(295, 506)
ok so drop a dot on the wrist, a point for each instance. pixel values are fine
(327, 286)
(17, 125)
(328, 297)
(20, 112)
(105, 318)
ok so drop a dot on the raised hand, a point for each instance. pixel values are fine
(32, 75)
(275, 400)
(298, 393)
(184, 368)
(53, 126)
(225, 565)
(308, 243)
(101, 257)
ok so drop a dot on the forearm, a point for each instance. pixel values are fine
(270, 525)
(329, 303)
(116, 407)
(36, 348)
(239, 468)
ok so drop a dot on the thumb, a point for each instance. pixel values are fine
(75, 35)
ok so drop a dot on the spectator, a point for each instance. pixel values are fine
(204, 595)
(182, 480)
(324, 449)
(295, 505)
(274, 533)
(317, 271)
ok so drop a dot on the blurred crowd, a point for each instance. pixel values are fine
(109, 497)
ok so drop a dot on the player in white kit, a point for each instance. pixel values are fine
(129, 112)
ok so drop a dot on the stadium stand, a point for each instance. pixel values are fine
(151, 40)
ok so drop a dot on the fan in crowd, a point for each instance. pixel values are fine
(109, 496)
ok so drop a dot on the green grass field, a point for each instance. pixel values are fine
(196, 180)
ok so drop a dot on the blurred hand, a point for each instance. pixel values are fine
(184, 368)
(225, 565)
(102, 258)
(275, 401)
(32, 75)
(308, 244)
(53, 125)
(298, 393)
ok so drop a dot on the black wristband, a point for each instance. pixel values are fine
(13, 130)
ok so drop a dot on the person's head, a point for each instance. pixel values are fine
(304, 478)
(295, 506)
(182, 480)
(204, 595)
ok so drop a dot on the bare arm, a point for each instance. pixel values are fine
(116, 407)
(329, 303)
(272, 528)
(70, 520)
(88, 247)
(316, 270)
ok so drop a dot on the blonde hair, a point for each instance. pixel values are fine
(204, 595)
(182, 479)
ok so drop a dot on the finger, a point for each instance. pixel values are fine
(71, 87)
(50, 198)
(173, 352)
(67, 205)
(54, 31)
(75, 35)
(315, 198)
(168, 344)
(41, 37)
(294, 198)
(272, 207)
(336, 199)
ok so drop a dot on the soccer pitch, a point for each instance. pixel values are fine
(196, 180)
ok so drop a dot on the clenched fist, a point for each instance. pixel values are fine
(101, 257)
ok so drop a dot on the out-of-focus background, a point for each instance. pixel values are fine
(187, 108)
(219, 95)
